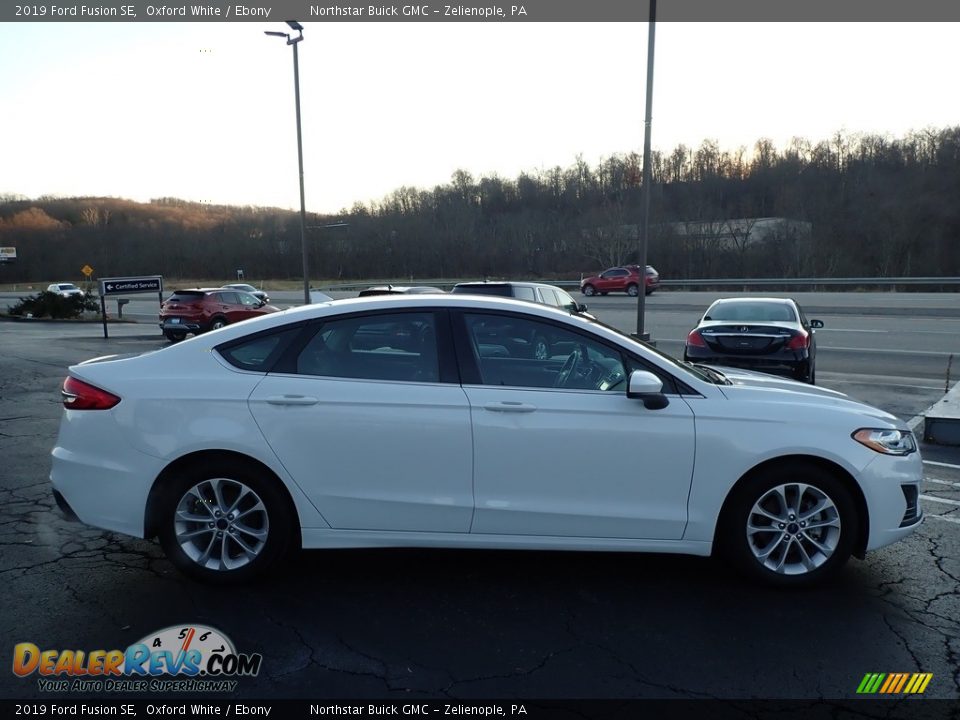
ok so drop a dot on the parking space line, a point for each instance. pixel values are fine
(931, 498)
(942, 482)
(945, 519)
(941, 464)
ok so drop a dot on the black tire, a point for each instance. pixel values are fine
(174, 335)
(633, 289)
(839, 530)
(276, 521)
(588, 290)
(218, 322)
(648, 291)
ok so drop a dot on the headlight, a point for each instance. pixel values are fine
(888, 442)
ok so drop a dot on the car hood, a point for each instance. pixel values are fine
(761, 387)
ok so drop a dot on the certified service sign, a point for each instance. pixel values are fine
(130, 285)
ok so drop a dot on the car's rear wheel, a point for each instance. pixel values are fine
(790, 525)
(174, 335)
(588, 290)
(218, 322)
(633, 290)
(225, 522)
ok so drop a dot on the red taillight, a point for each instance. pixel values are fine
(800, 341)
(694, 339)
(78, 395)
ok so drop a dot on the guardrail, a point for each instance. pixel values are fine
(703, 282)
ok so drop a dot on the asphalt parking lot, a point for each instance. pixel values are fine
(478, 624)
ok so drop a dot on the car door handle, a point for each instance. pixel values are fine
(516, 407)
(292, 400)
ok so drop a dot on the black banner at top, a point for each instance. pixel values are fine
(480, 11)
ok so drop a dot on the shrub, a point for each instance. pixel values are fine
(53, 305)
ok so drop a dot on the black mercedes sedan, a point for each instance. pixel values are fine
(769, 335)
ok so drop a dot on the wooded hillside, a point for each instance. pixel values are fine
(873, 205)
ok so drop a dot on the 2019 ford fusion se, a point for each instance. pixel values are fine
(422, 421)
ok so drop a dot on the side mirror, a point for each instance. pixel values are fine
(581, 307)
(646, 386)
(816, 324)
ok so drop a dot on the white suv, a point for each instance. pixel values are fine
(65, 289)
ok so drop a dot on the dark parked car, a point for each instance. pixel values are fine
(398, 290)
(250, 289)
(766, 334)
(621, 279)
(197, 311)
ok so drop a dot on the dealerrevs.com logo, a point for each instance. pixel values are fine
(180, 658)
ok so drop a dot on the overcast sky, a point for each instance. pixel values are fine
(205, 111)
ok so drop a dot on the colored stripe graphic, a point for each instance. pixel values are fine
(894, 683)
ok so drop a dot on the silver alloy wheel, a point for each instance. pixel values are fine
(218, 323)
(793, 529)
(221, 524)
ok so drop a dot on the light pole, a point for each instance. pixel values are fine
(645, 190)
(294, 25)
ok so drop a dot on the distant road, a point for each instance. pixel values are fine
(906, 335)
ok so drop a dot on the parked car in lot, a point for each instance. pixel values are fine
(259, 294)
(621, 279)
(197, 311)
(539, 345)
(530, 291)
(318, 296)
(409, 421)
(398, 290)
(65, 289)
(771, 335)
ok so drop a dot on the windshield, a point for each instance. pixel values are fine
(750, 312)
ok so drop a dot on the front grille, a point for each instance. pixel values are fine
(911, 493)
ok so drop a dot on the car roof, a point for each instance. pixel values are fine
(773, 300)
(197, 291)
(505, 283)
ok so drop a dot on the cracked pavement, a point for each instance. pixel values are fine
(462, 624)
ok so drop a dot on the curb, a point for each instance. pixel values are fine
(941, 421)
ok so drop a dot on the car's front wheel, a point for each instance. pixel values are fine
(790, 525)
(225, 522)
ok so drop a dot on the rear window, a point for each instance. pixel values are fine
(485, 289)
(186, 296)
(751, 312)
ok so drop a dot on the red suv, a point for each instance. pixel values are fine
(196, 311)
(625, 278)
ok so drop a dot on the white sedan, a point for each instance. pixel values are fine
(429, 421)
